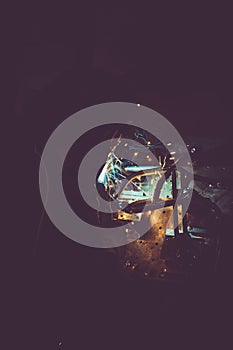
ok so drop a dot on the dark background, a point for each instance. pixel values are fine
(60, 59)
